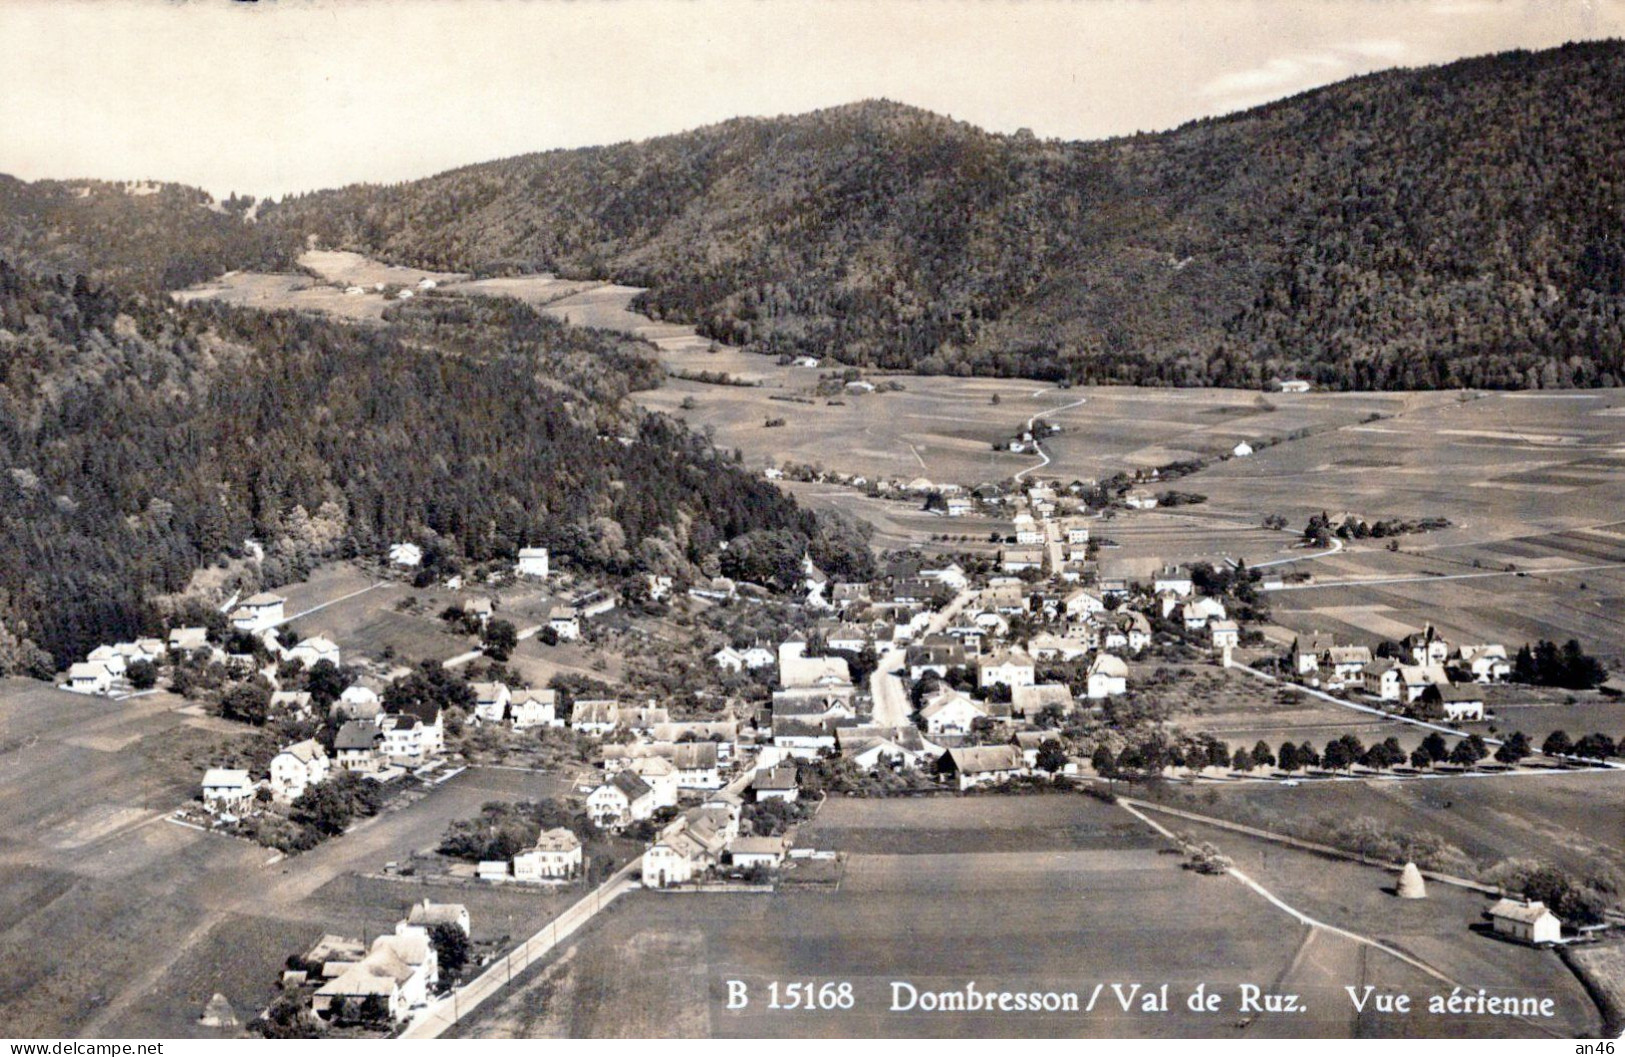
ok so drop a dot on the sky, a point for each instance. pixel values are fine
(288, 95)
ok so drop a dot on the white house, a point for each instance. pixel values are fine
(296, 768)
(765, 853)
(316, 648)
(1108, 676)
(1345, 665)
(89, 677)
(1381, 679)
(1198, 611)
(729, 659)
(1029, 701)
(258, 612)
(1225, 634)
(595, 716)
(491, 702)
(110, 658)
(1242, 450)
(686, 850)
(187, 639)
(1012, 668)
(557, 854)
(776, 783)
(660, 774)
(1292, 385)
(758, 657)
(226, 790)
(696, 763)
(407, 555)
(1527, 922)
(565, 622)
(532, 562)
(534, 708)
(949, 712)
(1082, 604)
(621, 801)
(1485, 663)
(1175, 578)
(982, 764)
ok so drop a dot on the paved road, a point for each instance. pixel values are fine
(886, 686)
(443, 1013)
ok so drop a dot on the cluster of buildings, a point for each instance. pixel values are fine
(391, 978)
(1425, 670)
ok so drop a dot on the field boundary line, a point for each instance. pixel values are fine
(1315, 923)
(1308, 845)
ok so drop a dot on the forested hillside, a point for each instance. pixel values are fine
(1459, 225)
(141, 441)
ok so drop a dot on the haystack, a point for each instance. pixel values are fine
(1411, 885)
(217, 1013)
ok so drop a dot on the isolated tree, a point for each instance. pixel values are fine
(1262, 756)
(1337, 756)
(1557, 743)
(1289, 757)
(325, 681)
(1420, 759)
(1435, 747)
(1242, 761)
(1103, 762)
(1218, 753)
(500, 640)
(1463, 755)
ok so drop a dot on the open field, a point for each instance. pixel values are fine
(1446, 931)
(1576, 820)
(115, 921)
(1033, 893)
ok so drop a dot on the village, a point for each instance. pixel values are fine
(1018, 668)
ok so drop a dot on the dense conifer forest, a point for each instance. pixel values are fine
(141, 441)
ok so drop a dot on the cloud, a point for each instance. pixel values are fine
(1286, 75)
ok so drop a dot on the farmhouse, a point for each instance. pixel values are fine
(427, 914)
(1081, 604)
(597, 716)
(297, 768)
(316, 648)
(937, 657)
(798, 672)
(1020, 559)
(1108, 676)
(532, 562)
(1028, 701)
(1463, 704)
(557, 854)
(1345, 665)
(1307, 650)
(186, 639)
(696, 763)
(762, 853)
(89, 677)
(981, 765)
(1197, 612)
(110, 658)
(728, 659)
(658, 771)
(1526, 922)
(226, 790)
(400, 970)
(949, 712)
(479, 609)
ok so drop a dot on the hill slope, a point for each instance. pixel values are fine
(1437, 227)
(1459, 225)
